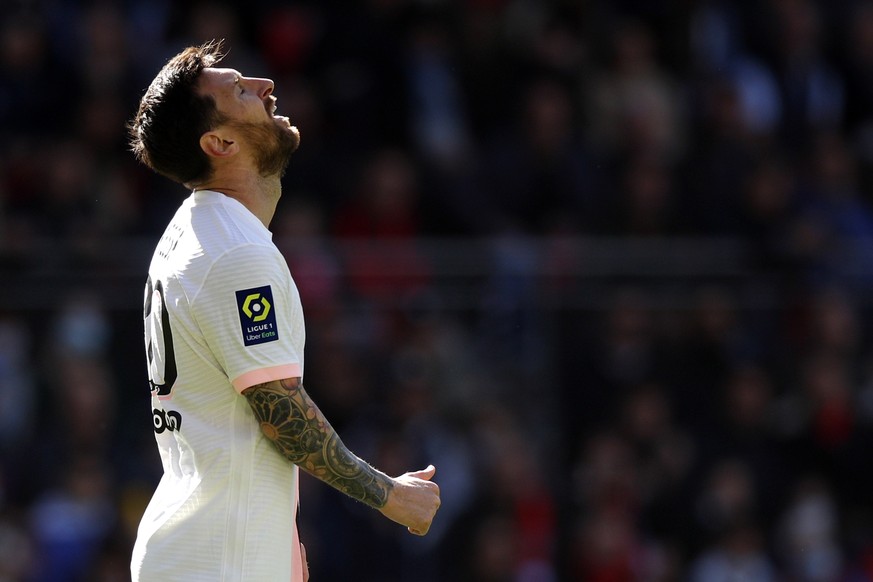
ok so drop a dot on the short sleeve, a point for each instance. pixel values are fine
(249, 312)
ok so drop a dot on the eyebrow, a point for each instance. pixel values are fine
(235, 78)
(232, 77)
(228, 80)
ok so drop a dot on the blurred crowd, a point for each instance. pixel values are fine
(458, 162)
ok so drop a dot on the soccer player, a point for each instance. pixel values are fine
(224, 341)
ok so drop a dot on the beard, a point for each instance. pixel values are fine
(272, 146)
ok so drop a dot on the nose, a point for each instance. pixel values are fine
(266, 87)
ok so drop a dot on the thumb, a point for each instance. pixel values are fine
(425, 474)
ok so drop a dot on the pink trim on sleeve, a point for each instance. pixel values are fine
(262, 375)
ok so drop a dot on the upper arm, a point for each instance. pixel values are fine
(276, 396)
(285, 388)
(249, 313)
(288, 417)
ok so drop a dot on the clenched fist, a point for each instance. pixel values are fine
(413, 500)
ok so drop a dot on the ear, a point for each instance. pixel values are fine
(217, 145)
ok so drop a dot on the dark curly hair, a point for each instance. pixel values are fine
(172, 115)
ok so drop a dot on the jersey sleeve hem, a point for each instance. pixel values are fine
(262, 375)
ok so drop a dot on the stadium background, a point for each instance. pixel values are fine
(606, 264)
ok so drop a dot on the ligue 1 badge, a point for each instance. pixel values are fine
(257, 316)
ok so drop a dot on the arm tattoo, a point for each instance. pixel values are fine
(302, 434)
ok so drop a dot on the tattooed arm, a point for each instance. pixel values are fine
(301, 433)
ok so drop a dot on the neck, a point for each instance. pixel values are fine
(258, 194)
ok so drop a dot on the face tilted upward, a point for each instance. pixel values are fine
(249, 107)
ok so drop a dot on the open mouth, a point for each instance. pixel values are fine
(271, 111)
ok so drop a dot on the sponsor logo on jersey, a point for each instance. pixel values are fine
(257, 315)
(166, 420)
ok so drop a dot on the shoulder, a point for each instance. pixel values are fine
(242, 278)
(245, 265)
(248, 256)
(225, 238)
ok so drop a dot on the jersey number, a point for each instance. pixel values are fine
(158, 340)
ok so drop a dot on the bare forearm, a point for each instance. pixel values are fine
(301, 433)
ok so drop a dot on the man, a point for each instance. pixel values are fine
(224, 343)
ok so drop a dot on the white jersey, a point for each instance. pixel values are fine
(221, 314)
